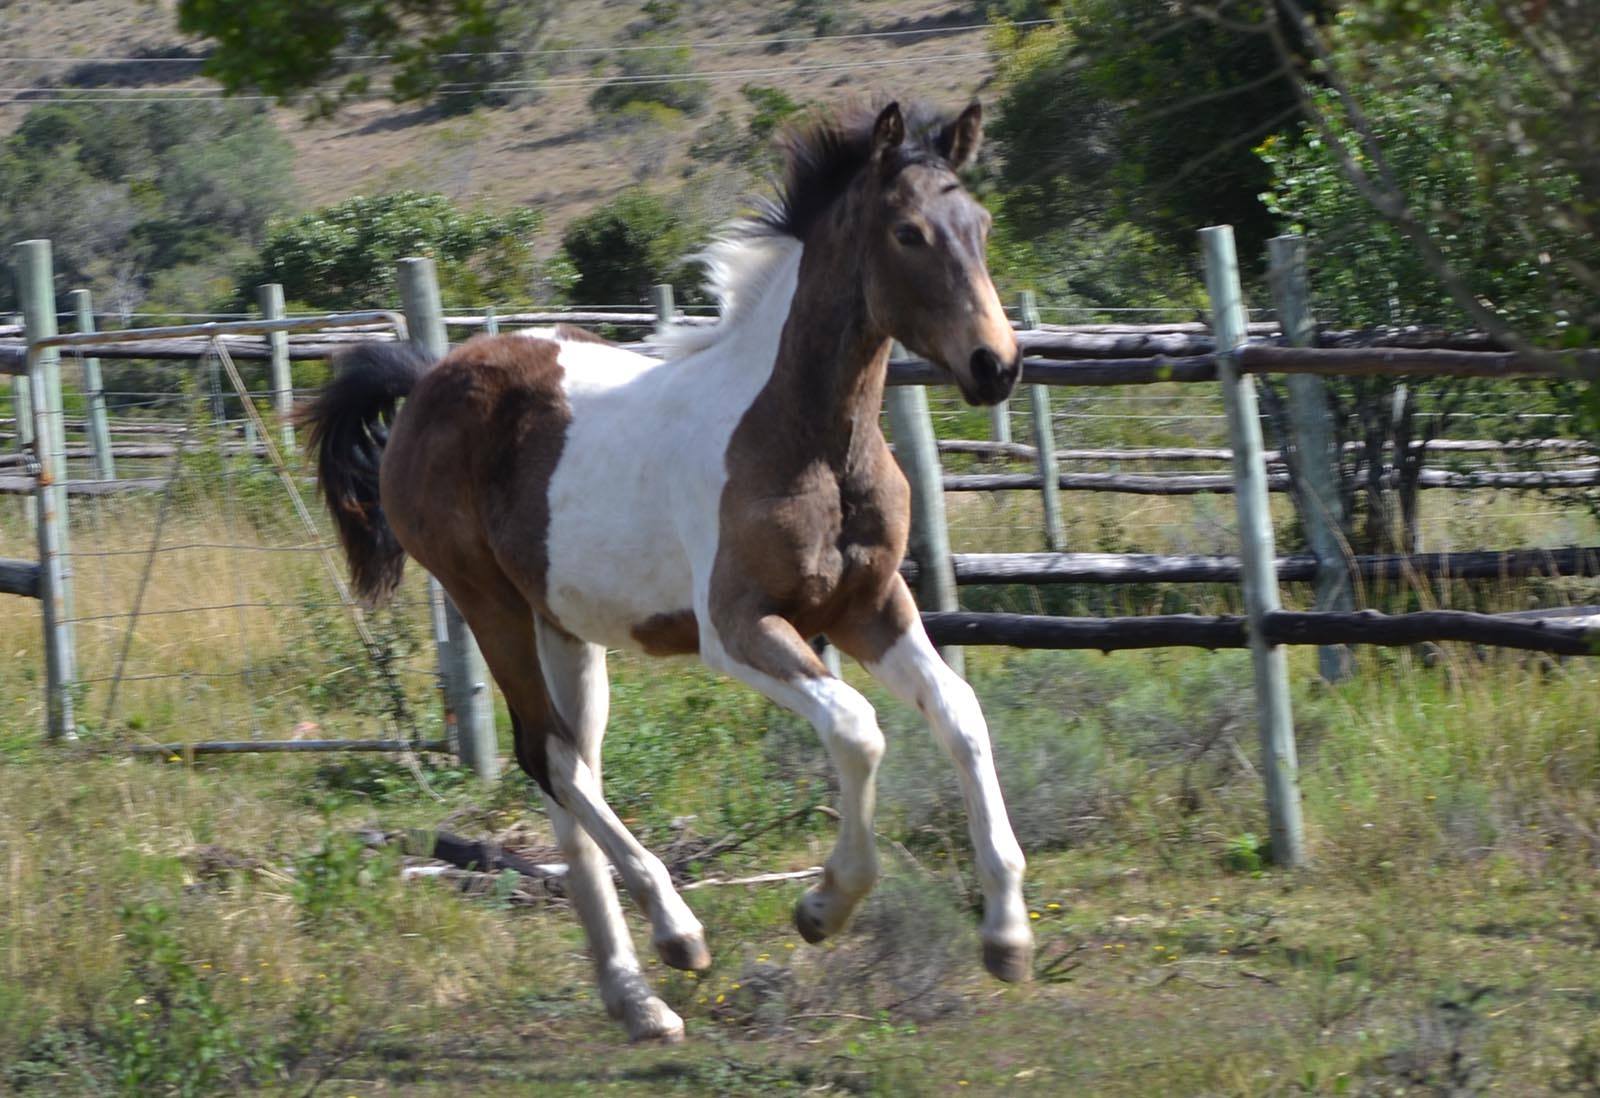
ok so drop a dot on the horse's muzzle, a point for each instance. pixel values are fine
(992, 378)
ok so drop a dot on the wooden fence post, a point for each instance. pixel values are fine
(1315, 451)
(1044, 440)
(281, 379)
(94, 391)
(36, 291)
(917, 450)
(468, 704)
(661, 300)
(1255, 547)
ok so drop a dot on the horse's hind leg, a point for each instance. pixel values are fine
(504, 627)
(623, 988)
(575, 676)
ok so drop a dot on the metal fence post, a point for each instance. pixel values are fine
(35, 289)
(94, 391)
(917, 450)
(281, 379)
(1044, 439)
(661, 301)
(1255, 547)
(468, 704)
(20, 402)
(36, 292)
(1315, 451)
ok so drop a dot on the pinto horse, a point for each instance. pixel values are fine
(731, 500)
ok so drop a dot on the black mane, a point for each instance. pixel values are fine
(825, 152)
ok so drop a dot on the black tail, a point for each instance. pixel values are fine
(349, 425)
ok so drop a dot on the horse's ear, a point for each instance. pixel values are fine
(959, 140)
(889, 130)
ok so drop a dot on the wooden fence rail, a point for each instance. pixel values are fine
(1189, 484)
(1577, 636)
(1033, 569)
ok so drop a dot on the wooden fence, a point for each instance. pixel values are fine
(1228, 354)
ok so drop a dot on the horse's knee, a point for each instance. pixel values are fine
(851, 724)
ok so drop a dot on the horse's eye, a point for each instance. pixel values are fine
(909, 235)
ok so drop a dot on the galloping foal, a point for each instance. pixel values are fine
(731, 501)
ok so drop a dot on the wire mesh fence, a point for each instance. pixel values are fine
(203, 607)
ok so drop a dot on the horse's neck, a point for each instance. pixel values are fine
(831, 363)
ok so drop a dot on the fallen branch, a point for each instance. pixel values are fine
(759, 878)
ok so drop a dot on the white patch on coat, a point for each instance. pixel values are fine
(635, 497)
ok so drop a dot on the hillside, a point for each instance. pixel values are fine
(552, 152)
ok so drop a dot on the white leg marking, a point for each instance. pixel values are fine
(574, 676)
(912, 670)
(848, 728)
(623, 988)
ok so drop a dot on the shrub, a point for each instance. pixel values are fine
(343, 256)
(621, 249)
(168, 1030)
(656, 76)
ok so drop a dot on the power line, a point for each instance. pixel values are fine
(735, 43)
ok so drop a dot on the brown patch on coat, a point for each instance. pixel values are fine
(482, 434)
(814, 517)
(674, 634)
(465, 482)
(571, 333)
(866, 637)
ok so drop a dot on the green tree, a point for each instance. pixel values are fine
(619, 250)
(1127, 110)
(343, 256)
(1450, 167)
(455, 53)
(1406, 187)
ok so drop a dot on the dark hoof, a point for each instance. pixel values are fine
(687, 952)
(1011, 963)
(809, 926)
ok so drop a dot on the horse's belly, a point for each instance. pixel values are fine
(608, 596)
(615, 561)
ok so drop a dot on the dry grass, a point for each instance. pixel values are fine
(240, 632)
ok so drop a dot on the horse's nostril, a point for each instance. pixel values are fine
(985, 365)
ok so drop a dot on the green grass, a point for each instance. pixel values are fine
(1445, 936)
(172, 928)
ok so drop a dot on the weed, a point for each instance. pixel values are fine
(336, 882)
(910, 947)
(168, 1032)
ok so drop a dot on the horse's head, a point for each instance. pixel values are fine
(923, 238)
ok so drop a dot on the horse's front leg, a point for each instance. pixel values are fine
(765, 652)
(895, 650)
